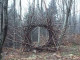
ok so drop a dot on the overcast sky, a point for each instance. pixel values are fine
(25, 5)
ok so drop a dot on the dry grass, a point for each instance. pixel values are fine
(69, 51)
(66, 53)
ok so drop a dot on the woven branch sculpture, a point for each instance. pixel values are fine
(52, 41)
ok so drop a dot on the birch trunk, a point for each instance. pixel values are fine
(38, 36)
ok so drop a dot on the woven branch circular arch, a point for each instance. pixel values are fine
(27, 39)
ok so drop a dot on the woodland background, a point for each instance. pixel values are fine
(63, 15)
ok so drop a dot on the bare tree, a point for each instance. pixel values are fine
(66, 21)
(4, 24)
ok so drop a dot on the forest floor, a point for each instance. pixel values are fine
(71, 52)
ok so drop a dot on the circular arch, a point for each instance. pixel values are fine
(52, 41)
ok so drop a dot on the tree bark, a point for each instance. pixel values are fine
(3, 27)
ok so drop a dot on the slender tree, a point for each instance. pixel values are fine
(69, 6)
(74, 18)
(14, 45)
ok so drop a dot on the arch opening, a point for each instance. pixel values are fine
(39, 36)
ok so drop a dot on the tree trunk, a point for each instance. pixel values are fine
(3, 27)
(38, 36)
